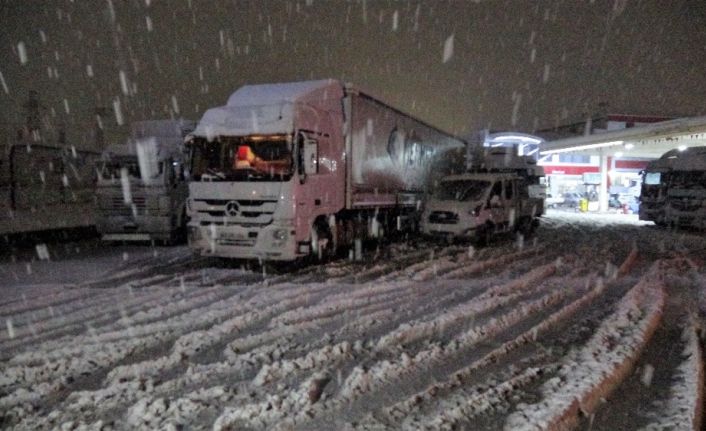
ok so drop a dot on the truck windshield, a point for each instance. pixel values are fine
(111, 169)
(247, 158)
(652, 178)
(461, 190)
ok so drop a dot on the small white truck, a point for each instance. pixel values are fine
(501, 194)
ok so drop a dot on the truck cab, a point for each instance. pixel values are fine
(142, 185)
(674, 189)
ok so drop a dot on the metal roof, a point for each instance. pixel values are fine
(648, 141)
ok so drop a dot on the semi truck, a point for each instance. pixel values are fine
(142, 185)
(45, 186)
(501, 192)
(673, 189)
(289, 170)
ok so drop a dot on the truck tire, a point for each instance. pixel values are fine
(483, 234)
(526, 226)
(322, 248)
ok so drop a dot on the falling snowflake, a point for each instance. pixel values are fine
(448, 49)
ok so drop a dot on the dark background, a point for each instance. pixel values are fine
(515, 64)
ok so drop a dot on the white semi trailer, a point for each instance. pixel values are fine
(287, 170)
(142, 188)
(674, 189)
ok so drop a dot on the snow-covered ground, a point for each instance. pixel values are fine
(593, 323)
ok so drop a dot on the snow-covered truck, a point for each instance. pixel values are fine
(500, 193)
(674, 189)
(287, 170)
(142, 186)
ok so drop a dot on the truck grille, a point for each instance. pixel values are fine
(117, 206)
(443, 217)
(237, 242)
(236, 211)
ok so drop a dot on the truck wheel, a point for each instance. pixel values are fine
(483, 234)
(526, 226)
(321, 241)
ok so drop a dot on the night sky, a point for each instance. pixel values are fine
(460, 65)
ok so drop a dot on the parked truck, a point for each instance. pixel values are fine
(142, 186)
(674, 189)
(45, 186)
(283, 171)
(501, 192)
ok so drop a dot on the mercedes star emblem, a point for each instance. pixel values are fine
(232, 208)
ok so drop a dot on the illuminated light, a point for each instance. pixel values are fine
(619, 154)
(583, 147)
(681, 147)
(258, 138)
(629, 146)
(509, 138)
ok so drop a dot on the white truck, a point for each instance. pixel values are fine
(500, 193)
(287, 170)
(674, 189)
(142, 187)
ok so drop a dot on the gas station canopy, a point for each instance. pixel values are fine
(646, 141)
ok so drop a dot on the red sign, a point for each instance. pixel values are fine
(568, 170)
(631, 164)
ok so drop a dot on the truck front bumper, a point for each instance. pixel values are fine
(140, 228)
(457, 230)
(272, 242)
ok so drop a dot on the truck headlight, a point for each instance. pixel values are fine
(280, 234)
(476, 211)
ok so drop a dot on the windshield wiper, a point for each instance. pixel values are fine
(212, 174)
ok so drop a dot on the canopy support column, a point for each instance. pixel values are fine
(603, 187)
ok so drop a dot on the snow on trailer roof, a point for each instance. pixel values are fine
(689, 159)
(264, 108)
(272, 94)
